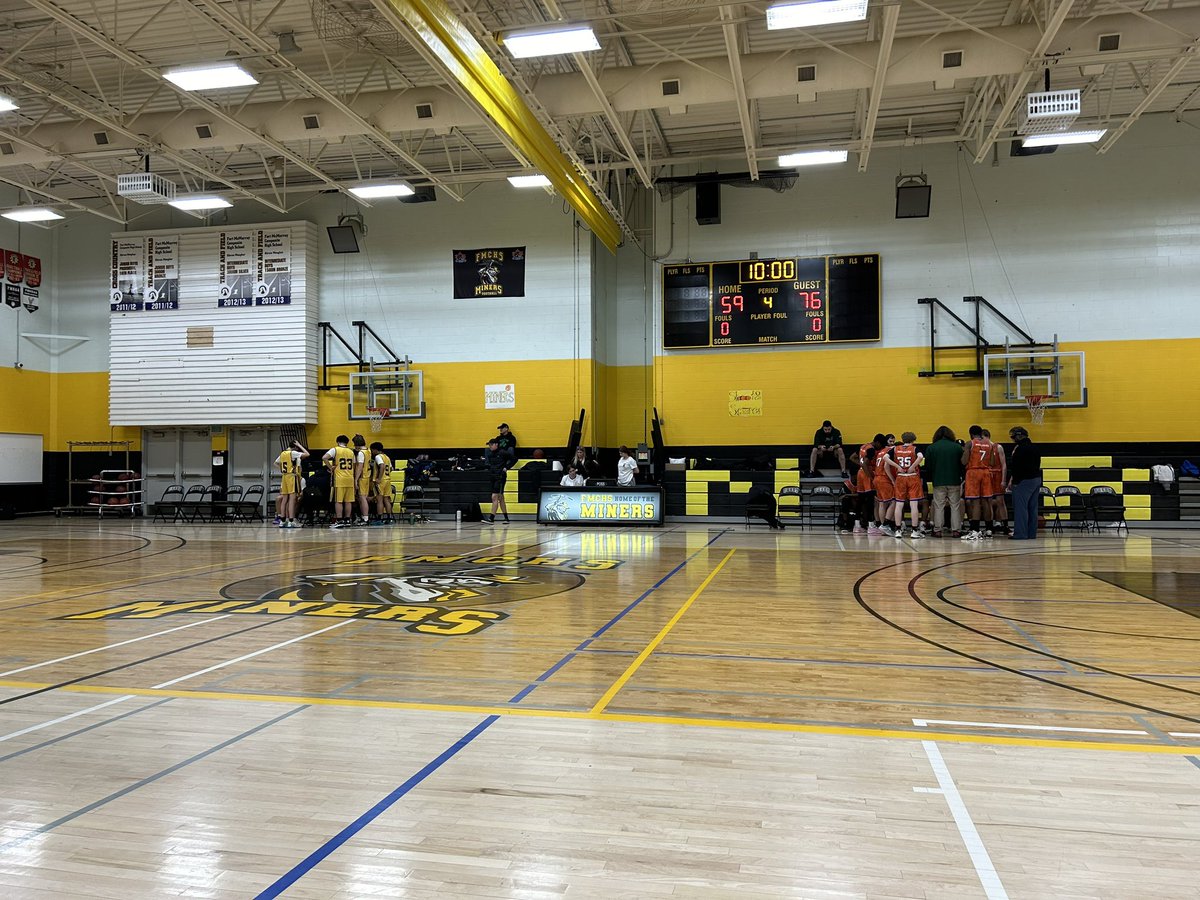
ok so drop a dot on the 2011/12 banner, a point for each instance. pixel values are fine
(489, 272)
(127, 275)
(162, 282)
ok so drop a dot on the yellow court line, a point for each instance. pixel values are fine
(637, 719)
(658, 638)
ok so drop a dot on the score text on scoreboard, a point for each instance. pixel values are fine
(753, 302)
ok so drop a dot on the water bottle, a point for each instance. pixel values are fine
(458, 517)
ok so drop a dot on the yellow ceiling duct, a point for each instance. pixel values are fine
(460, 55)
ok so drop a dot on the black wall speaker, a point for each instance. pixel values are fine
(708, 203)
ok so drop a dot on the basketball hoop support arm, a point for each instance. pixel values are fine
(363, 330)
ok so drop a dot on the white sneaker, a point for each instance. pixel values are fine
(858, 529)
(970, 536)
(887, 530)
(898, 533)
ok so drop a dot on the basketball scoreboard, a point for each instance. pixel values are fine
(753, 302)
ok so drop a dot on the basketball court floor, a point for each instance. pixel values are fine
(696, 711)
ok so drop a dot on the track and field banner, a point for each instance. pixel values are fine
(236, 268)
(273, 286)
(162, 281)
(489, 272)
(127, 283)
(600, 506)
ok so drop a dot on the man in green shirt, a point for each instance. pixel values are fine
(943, 461)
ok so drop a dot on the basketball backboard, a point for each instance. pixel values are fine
(401, 392)
(1058, 376)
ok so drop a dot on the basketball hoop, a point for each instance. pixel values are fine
(1037, 411)
(377, 414)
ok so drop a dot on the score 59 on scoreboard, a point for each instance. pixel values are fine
(752, 302)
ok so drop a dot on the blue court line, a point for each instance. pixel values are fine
(303, 867)
(84, 730)
(129, 789)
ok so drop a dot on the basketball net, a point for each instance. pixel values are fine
(1037, 412)
(377, 414)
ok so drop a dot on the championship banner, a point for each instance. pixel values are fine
(589, 506)
(12, 295)
(30, 296)
(236, 269)
(273, 286)
(128, 275)
(496, 272)
(32, 266)
(14, 267)
(162, 285)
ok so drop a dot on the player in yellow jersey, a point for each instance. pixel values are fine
(381, 478)
(288, 464)
(362, 480)
(340, 462)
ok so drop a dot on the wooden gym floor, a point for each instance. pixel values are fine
(235, 711)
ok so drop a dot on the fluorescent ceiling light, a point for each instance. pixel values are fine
(197, 203)
(6, 104)
(372, 191)
(31, 214)
(813, 158)
(551, 41)
(210, 78)
(528, 181)
(815, 12)
(1063, 137)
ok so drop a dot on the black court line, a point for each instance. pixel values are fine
(149, 779)
(941, 595)
(912, 592)
(861, 601)
(85, 729)
(73, 565)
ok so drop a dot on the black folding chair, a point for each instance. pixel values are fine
(824, 499)
(791, 500)
(1048, 509)
(168, 503)
(223, 509)
(1070, 498)
(188, 508)
(1108, 508)
(248, 506)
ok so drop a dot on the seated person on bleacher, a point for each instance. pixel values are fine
(419, 468)
(827, 442)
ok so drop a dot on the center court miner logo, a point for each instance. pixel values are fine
(437, 595)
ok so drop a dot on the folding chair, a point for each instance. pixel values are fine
(412, 504)
(190, 503)
(223, 508)
(1108, 508)
(168, 503)
(794, 502)
(1048, 509)
(1076, 505)
(824, 499)
(248, 506)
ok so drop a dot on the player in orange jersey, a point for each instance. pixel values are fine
(979, 457)
(909, 484)
(885, 488)
(865, 482)
(999, 510)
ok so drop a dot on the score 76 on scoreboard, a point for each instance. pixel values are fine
(752, 302)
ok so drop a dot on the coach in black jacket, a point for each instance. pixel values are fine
(1025, 476)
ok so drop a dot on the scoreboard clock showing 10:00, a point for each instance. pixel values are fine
(753, 302)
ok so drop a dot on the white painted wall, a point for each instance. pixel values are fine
(401, 284)
(1089, 247)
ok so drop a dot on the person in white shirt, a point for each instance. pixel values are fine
(573, 478)
(627, 468)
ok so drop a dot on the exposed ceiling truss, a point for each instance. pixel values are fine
(692, 85)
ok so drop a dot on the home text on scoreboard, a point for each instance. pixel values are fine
(754, 302)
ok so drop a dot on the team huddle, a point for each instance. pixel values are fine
(890, 476)
(357, 479)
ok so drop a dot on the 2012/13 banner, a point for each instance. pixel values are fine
(235, 268)
(489, 272)
(273, 287)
